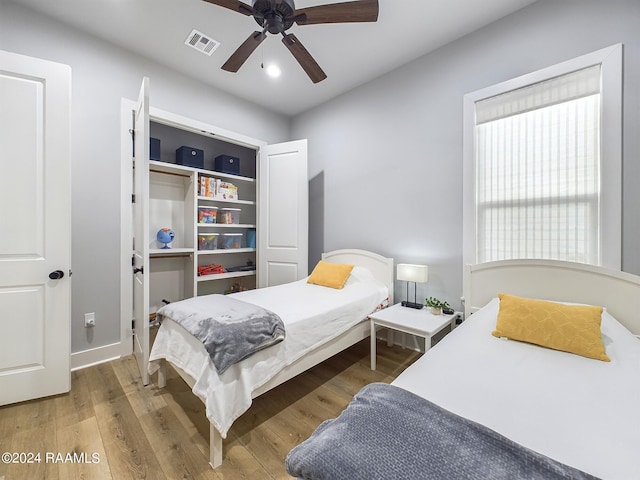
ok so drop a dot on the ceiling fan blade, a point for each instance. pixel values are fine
(235, 5)
(244, 51)
(304, 58)
(346, 12)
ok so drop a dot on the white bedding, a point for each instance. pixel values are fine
(582, 412)
(312, 314)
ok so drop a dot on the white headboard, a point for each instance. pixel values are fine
(381, 267)
(556, 280)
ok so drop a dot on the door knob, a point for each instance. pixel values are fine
(56, 275)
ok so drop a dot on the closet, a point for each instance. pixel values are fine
(230, 231)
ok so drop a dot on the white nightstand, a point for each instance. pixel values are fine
(409, 320)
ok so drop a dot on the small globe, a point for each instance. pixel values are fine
(166, 236)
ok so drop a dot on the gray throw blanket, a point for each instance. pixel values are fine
(231, 330)
(389, 433)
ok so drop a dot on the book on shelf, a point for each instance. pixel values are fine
(217, 189)
(227, 191)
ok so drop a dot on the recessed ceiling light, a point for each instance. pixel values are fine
(273, 71)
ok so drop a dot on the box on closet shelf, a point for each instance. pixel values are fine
(207, 186)
(226, 190)
(208, 241)
(229, 215)
(190, 157)
(207, 215)
(227, 164)
(215, 188)
(231, 240)
(154, 149)
(251, 238)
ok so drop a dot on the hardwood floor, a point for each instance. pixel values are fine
(110, 426)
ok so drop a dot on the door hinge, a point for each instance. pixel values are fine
(138, 270)
(133, 326)
(133, 198)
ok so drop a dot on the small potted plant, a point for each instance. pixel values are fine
(436, 305)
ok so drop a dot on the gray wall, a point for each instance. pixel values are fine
(385, 160)
(101, 75)
(390, 152)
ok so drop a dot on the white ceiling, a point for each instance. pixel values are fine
(350, 54)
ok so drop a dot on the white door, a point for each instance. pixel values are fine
(283, 230)
(141, 231)
(35, 228)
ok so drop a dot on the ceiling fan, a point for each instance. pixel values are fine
(277, 16)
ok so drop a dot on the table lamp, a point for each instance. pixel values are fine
(412, 273)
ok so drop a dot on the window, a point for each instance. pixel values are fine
(542, 165)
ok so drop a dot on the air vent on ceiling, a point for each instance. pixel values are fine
(201, 42)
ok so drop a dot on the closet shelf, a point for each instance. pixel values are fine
(218, 276)
(226, 250)
(220, 200)
(163, 252)
(227, 225)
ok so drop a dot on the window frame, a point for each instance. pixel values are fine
(610, 221)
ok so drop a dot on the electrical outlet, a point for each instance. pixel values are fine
(89, 320)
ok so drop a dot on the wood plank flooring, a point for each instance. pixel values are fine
(110, 426)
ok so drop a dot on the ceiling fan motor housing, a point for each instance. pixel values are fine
(274, 16)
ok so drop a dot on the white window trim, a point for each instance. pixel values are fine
(611, 150)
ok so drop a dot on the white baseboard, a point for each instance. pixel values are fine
(95, 356)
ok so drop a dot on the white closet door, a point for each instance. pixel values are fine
(35, 228)
(141, 232)
(283, 228)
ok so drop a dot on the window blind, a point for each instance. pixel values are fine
(574, 85)
(537, 170)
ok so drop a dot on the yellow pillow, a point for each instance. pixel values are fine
(329, 274)
(570, 328)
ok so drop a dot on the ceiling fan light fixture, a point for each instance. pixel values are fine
(273, 70)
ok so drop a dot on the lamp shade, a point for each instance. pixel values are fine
(412, 273)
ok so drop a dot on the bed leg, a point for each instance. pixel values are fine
(162, 374)
(215, 447)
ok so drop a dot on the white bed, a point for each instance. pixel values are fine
(319, 321)
(578, 411)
